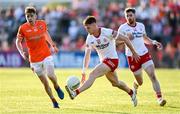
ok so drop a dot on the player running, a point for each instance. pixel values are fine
(137, 35)
(35, 34)
(103, 41)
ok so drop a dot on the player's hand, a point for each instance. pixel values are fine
(25, 56)
(136, 57)
(158, 44)
(54, 49)
(83, 78)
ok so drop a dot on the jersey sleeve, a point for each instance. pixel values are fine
(121, 31)
(143, 29)
(20, 34)
(88, 43)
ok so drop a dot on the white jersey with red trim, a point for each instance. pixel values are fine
(104, 44)
(137, 41)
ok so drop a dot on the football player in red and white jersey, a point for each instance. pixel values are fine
(135, 31)
(103, 41)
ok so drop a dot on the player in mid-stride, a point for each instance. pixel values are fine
(103, 41)
(135, 31)
(35, 34)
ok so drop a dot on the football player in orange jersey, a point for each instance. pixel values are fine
(35, 34)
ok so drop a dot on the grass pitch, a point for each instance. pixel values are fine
(21, 92)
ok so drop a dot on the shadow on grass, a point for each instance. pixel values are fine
(174, 107)
(99, 111)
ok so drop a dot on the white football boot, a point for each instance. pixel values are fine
(161, 101)
(135, 86)
(72, 94)
(133, 98)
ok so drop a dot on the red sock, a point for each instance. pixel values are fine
(158, 94)
(131, 92)
(77, 91)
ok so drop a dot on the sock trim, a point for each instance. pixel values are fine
(131, 92)
(77, 91)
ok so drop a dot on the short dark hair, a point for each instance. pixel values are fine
(30, 9)
(89, 20)
(127, 10)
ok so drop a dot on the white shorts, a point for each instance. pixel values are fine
(40, 68)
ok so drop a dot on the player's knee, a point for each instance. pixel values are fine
(152, 76)
(50, 74)
(39, 73)
(46, 85)
(92, 75)
(140, 83)
(114, 84)
(52, 78)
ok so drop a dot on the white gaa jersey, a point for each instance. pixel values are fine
(104, 44)
(138, 41)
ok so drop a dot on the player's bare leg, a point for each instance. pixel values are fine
(98, 71)
(51, 75)
(139, 79)
(113, 78)
(48, 90)
(155, 83)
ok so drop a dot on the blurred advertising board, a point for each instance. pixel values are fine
(11, 59)
(75, 60)
(62, 59)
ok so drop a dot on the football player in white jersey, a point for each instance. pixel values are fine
(135, 31)
(103, 41)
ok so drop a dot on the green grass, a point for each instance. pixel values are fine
(22, 93)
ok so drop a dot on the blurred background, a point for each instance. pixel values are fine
(64, 18)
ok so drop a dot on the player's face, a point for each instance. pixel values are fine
(31, 17)
(130, 17)
(90, 28)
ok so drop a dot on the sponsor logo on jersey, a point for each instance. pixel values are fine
(127, 30)
(137, 34)
(29, 30)
(35, 29)
(40, 27)
(102, 46)
(36, 37)
(98, 41)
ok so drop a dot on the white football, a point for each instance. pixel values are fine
(73, 82)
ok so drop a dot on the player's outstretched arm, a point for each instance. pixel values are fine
(129, 45)
(147, 40)
(114, 36)
(50, 41)
(85, 63)
(20, 48)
